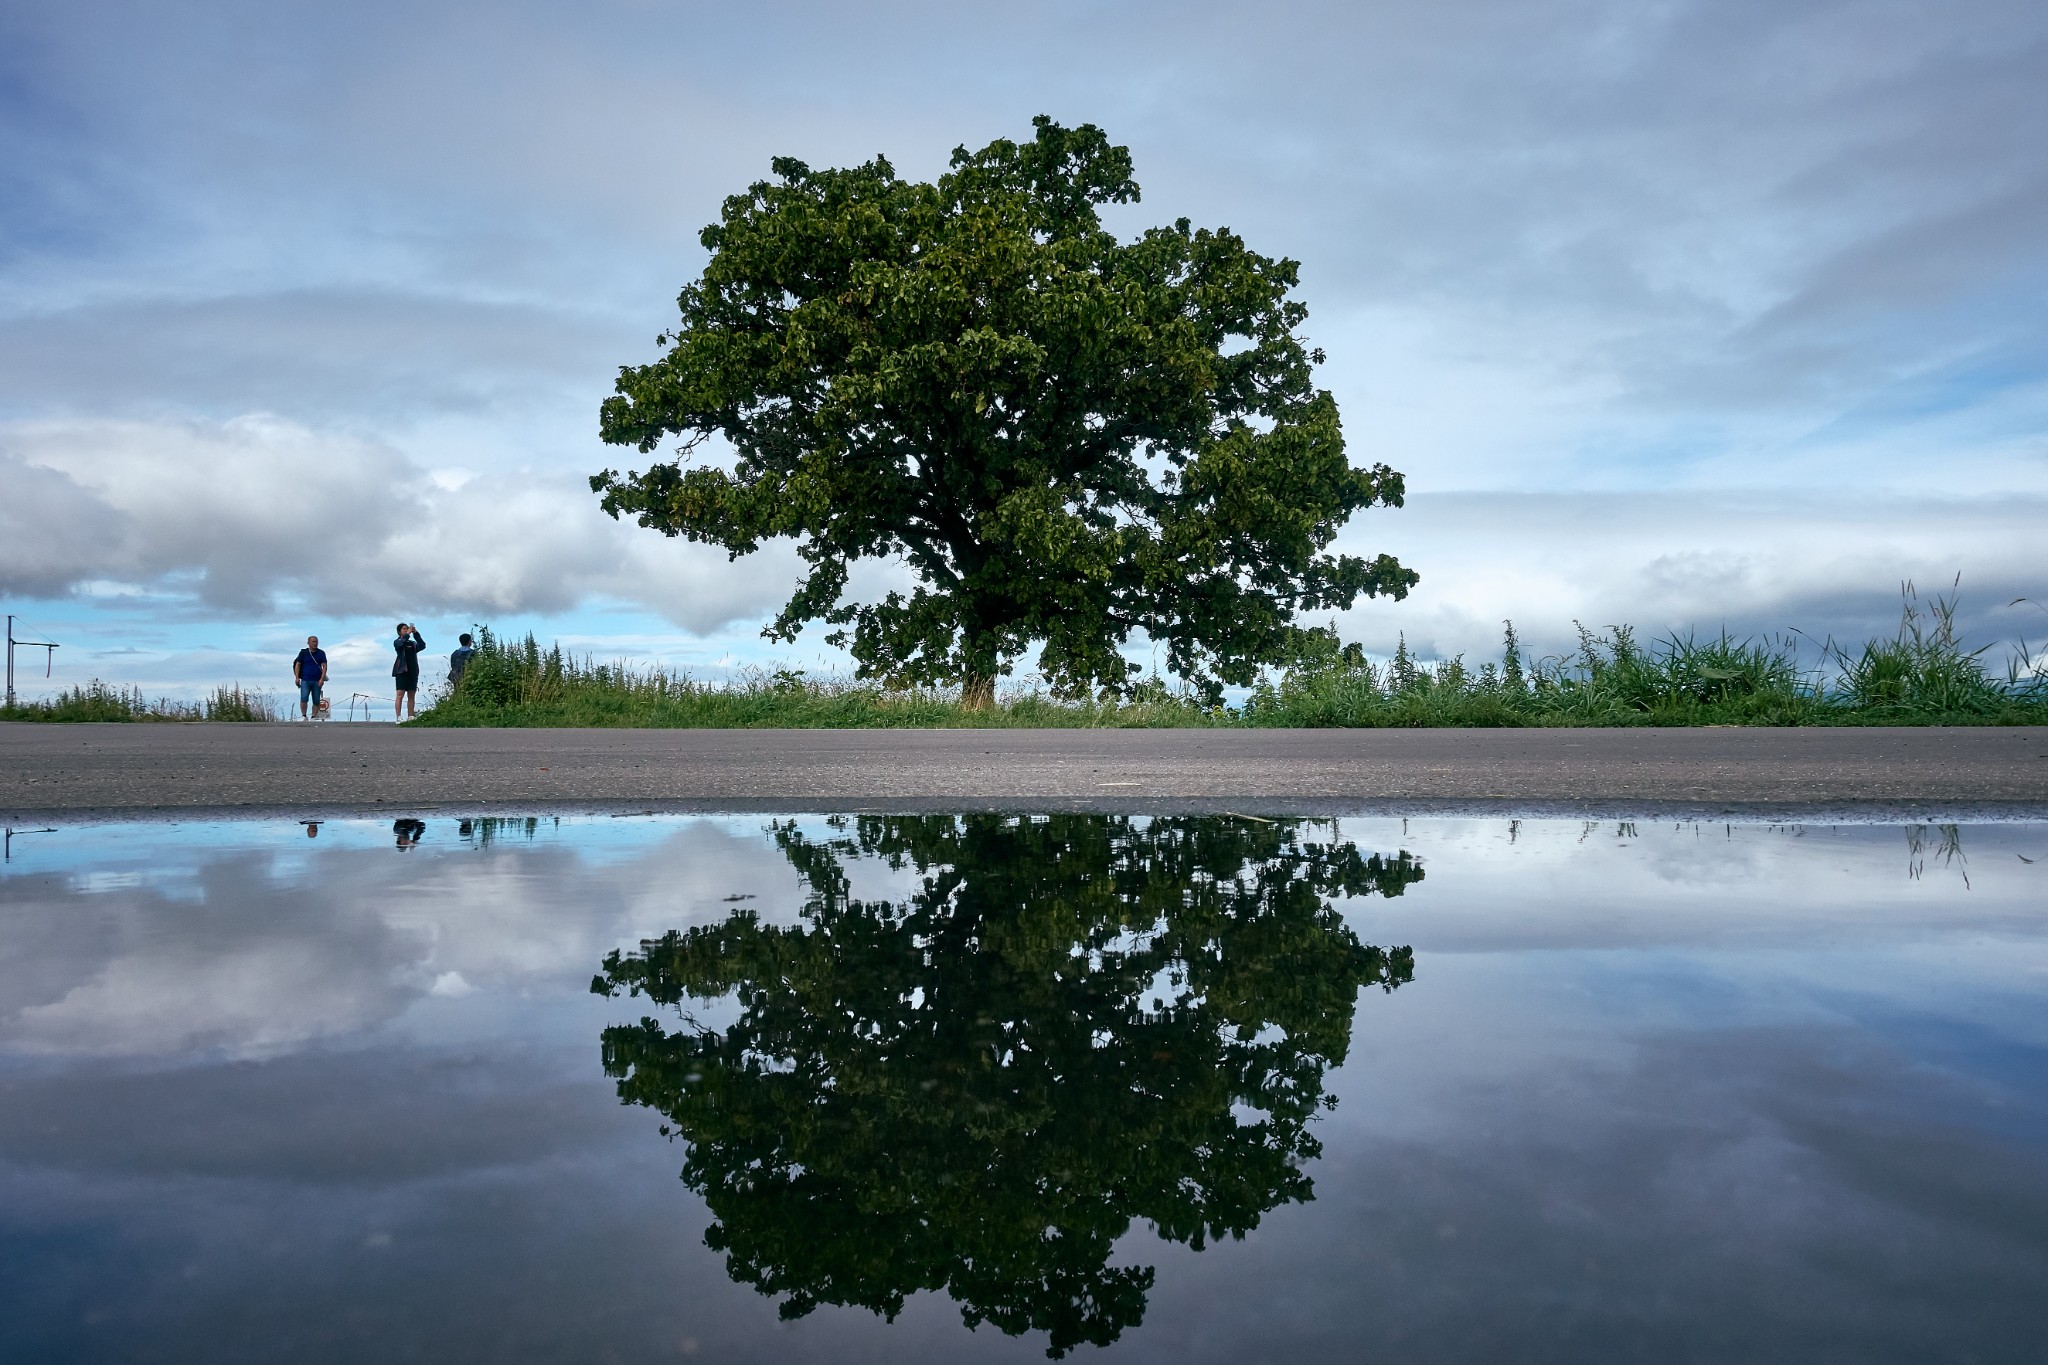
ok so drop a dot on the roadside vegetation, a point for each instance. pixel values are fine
(521, 684)
(98, 701)
(1922, 675)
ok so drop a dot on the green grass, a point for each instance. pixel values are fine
(521, 684)
(1920, 676)
(97, 701)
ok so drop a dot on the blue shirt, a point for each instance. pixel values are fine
(311, 664)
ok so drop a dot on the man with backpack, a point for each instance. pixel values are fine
(459, 660)
(309, 671)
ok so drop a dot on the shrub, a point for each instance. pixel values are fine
(99, 701)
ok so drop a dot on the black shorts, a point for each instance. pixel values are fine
(406, 682)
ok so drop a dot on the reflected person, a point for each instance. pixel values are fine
(1073, 1022)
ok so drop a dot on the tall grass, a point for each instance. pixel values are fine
(1923, 674)
(1609, 680)
(520, 683)
(1925, 667)
(98, 701)
(232, 701)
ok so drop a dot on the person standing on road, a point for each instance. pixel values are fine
(309, 671)
(459, 660)
(405, 670)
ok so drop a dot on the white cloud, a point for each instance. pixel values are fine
(257, 507)
(248, 505)
(275, 949)
(450, 985)
(243, 513)
(1756, 563)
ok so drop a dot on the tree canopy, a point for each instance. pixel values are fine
(1067, 438)
(1073, 1022)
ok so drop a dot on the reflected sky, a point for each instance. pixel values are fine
(1634, 1091)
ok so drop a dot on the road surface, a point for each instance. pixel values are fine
(140, 770)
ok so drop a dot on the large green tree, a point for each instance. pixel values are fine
(1067, 437)
(1072, 1022)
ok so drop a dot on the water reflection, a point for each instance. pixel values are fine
(1071, 1023)
(484, 831)
(1699, 1092)
(12, 834)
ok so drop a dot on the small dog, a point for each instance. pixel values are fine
(321, 709)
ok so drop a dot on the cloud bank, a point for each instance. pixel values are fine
(298, 309)
(243, 513)
(1756, 564)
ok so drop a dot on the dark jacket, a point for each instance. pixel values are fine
(409, 649)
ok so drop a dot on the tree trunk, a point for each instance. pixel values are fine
(978, 690)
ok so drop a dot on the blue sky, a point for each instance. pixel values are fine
(1684, 314)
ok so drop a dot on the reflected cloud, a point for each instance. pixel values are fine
(224, 972)
(256, 952)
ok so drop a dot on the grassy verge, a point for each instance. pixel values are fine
(97, 701)
(521, 684)
(1921, 676)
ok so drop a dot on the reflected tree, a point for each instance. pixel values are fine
(1073, 1022)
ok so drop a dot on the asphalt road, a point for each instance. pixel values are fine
(124, 771)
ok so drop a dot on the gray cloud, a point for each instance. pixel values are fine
(319, 353)
(1777, 1193)
(56, 534)
(1576, 245)
(241, 514)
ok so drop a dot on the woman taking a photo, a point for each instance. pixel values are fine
(405, 670)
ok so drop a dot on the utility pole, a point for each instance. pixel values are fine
(49, 652)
